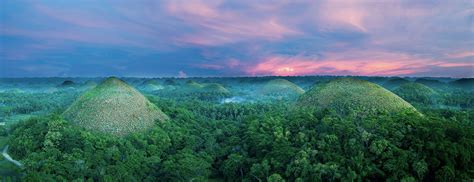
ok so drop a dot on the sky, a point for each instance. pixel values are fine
(186, 38)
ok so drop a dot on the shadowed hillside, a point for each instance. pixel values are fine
(417, 93)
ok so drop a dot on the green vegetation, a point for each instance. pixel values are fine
(436, 84)
(67, 83)
(464, 83)
(348, 95)
(192, 85)
(364, 133)
(150, 85)
(394, 83)
(215, 88)
(417, 93)
(15, 105)
(281, 87)
(90, 84)
(114, 107)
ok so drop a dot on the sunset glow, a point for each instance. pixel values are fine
(221, 38)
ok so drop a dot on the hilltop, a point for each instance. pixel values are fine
(345, 95)
(150, 85)
(417, 93)
(281, 87)
(114, 107)
(394, 83)
(215, 88)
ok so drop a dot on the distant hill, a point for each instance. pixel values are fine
(90, 84)
(114, 107)
(280, 87)
(435, 84)
(215, 88)
(346, 95)
(150, 85)
(190, 84)
(417, 93)
(394, 83)
(67, 83)
(170, 82)
(464, 83)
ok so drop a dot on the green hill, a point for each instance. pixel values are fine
(281, 87)
(190, 84)
(435, 84)
(464, 83)
(170, 82)
(114, 107)
(67, 83)
(347, 94)
(394, 83)
(417, 93)
(90, 84)
(215, 88)
(150, 81)
(150, 85)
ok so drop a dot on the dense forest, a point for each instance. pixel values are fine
(245, 129)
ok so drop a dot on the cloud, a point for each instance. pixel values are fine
(182, 74)
(349, 63)
(74, 16)
(462, 54)
(235, 38)
(342, 13)
(214, 26)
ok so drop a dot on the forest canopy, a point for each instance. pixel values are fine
(263, 140)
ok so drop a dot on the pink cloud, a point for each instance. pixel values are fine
(182, 74)
(357, 63)
(351, 13)
(232, 63)
(210, 66)
(219, 26)
(462, 54)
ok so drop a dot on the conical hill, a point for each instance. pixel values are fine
(346, 95)
(281, 87)
(114, 107)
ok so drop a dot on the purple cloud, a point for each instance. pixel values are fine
(216, 37)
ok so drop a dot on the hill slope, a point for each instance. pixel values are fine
(347, 94)
(150, 85)
(281, 87)
(464, 83)
(417, 93)
(394, 83)
(113, 107)
(215, 88)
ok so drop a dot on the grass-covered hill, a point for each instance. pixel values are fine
(90, 84)
(394, 83)
(281, 87)
(113, 107)
(190, 84)
(258, 138)
(346, 95)
(150, 85)
(432, 83)
(417, 93)
(215, 88)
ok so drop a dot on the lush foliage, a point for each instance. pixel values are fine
(236, 142)
(276, 140)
